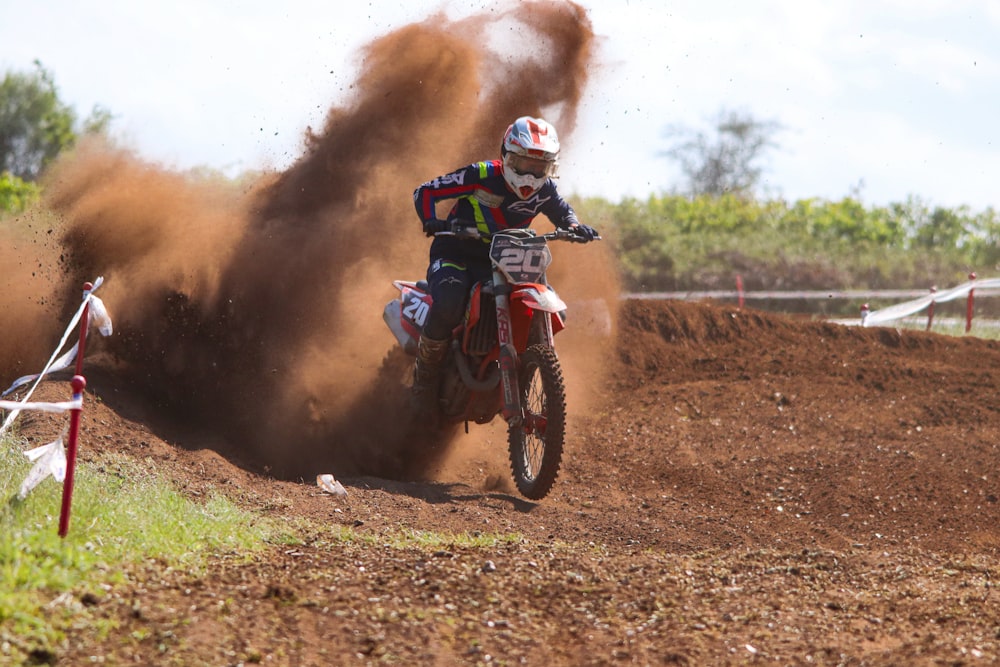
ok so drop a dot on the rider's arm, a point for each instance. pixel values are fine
(448, 186)
(562, 215)
(559, 211)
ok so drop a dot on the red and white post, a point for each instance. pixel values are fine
(79, 384)
(930, 309)
(969, 305)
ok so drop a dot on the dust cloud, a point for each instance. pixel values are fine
(254, 308)
(29, 280)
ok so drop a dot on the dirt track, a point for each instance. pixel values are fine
(739, 488)
(753, 489)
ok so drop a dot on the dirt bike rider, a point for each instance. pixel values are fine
(497, 195)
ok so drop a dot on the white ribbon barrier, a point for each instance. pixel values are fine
(901, 310)
(51, 459)
(60, 406)
(97, 315)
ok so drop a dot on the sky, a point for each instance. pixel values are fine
(876, 99)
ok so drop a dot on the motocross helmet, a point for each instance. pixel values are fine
(530, 152)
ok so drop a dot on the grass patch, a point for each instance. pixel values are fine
(432, 540)
(422, 540)
(122, 516)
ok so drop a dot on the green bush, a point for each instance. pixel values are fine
(675, 242)
(15, 194)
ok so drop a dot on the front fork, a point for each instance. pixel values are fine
(507, 358)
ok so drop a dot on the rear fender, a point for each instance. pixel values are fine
(407, 315)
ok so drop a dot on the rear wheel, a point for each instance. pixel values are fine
(536, 444)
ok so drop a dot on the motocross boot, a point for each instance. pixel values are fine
(427, 375)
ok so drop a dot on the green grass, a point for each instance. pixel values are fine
(432, 540)
(122, 517)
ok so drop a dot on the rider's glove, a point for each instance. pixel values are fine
(433, 226)
(585, 232)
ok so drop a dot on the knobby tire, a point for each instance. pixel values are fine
(536, 445)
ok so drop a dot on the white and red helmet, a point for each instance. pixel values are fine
(530, 152)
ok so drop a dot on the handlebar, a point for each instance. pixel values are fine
(465, 229)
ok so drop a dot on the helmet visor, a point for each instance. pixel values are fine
(531, 166)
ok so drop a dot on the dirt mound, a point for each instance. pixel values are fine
(832, 435)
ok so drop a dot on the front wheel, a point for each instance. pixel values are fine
(536, 444)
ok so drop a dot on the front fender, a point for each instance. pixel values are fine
(539, 297)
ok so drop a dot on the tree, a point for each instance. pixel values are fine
(35, 126)
(726, 162)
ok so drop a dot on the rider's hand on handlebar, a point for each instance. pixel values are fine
(585, 232)
(433, 226)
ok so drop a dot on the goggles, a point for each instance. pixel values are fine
(530, 166)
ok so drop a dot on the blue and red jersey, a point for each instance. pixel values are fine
(482, 196)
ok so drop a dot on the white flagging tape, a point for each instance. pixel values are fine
(901, 310)
(49, 459)
(61, 406)
(97, 315)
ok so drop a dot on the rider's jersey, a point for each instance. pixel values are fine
(482, 196)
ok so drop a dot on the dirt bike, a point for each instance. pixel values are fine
(502, 359)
